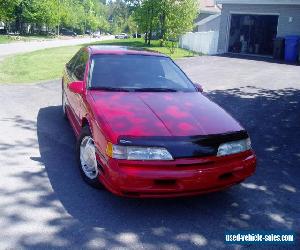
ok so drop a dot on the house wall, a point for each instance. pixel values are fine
(285, 27)
(203, 15)
(200, 17)
(211, 25)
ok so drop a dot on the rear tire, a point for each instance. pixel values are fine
(86, 157)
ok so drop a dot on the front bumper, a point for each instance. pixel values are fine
(182, 177)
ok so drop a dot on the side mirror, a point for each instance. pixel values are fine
(76, 87)
(199, 87)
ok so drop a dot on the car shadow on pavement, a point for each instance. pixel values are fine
(267, 201)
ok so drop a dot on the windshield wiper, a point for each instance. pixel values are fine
(133, 90)
(112, 89)
(155, 90)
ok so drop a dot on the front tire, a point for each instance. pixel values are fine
(86, 157)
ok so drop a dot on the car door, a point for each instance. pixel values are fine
(75, 72)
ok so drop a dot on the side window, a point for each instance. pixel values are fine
(79, 67)
(92, 65)
(72, 62)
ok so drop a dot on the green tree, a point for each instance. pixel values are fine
(96, 15)
(147, 18)
(132, 26)
(177, 17)
(80, 15)
(118, 16)
(7, 8)
(167, 18)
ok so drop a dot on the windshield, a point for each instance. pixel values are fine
(137, 73)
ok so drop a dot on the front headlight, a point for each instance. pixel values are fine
(234, 147)
(138, 153)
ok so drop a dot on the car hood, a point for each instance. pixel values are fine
(161, 114)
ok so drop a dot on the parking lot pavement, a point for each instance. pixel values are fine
(44, 203)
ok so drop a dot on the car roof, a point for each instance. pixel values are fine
(121, 50)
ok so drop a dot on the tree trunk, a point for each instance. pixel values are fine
(163, 27)
(151, 26)
(150, 35)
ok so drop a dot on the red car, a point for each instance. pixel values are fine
(145, 130)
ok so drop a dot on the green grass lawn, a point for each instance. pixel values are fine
(155, 46)
(48, 64)
(5, 39)
(36, 66)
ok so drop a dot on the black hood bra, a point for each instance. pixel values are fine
(185, 146)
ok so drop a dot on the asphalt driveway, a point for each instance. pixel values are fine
(44, 203)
